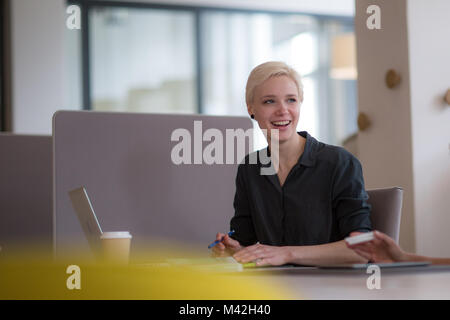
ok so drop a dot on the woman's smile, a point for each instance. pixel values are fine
(281, 124)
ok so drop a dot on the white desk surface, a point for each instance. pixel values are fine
(431, 282)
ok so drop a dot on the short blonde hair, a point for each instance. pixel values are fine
(268, 70)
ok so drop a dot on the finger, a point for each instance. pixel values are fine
(385, 238)
(360, 246)
(379, 235)
(262, 262)
(247, 256)
(351, 246)
(364, 251)
(219, 247)
(229, 242)
(246, 250)
(364, 254)
(377, 243)
(252, 255)
(219, 236)
(371, 245)
(367, 246)
(270, 260)
(355, 233)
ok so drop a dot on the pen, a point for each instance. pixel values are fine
(217, 241)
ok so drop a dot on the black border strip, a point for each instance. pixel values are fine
(2, 68)
(5, 67)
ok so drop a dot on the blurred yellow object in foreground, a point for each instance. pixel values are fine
(31, 278)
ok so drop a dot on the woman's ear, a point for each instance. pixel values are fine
(250, 112)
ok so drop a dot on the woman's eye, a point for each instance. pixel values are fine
(268, 101)
(292, 100)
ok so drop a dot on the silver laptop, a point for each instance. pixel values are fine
(86, 215)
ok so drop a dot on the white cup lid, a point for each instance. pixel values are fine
(116, 235)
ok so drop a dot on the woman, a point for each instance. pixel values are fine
(300, 214)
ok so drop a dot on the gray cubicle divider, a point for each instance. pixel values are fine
(124, 161)
(25, 192)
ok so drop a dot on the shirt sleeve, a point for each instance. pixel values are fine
(350, 206)
(242, 222)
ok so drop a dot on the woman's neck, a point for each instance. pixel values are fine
(289, 152)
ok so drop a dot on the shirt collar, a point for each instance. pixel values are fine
(308, 157)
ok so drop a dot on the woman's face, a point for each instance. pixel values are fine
(276, 105)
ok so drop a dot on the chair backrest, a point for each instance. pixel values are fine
(386, 210)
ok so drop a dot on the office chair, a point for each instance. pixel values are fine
(386, 210)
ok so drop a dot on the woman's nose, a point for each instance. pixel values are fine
(282, 108)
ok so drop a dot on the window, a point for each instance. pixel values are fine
(177, 59)
(142, 60)
(234, 43)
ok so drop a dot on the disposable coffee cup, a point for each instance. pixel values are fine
(116, 246)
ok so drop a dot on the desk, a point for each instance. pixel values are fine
(37, 279)
(431, 282)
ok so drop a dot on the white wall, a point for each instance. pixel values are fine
(37, 63)
(429, 60)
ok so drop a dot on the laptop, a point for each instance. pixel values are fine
(86, 215)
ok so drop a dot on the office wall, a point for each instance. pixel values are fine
(385, 149)
(25, 192)
(37, 63)
(408, 142)
(429, 53)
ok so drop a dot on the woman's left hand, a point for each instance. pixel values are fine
(263, 255)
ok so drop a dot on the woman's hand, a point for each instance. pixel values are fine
(264, 255)
(227, 247)
(381, 249)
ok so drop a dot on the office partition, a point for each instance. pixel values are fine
(129, 166)
(25, 192)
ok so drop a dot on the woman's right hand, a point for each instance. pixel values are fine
(227, 247)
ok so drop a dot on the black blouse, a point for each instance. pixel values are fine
(322, 200)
